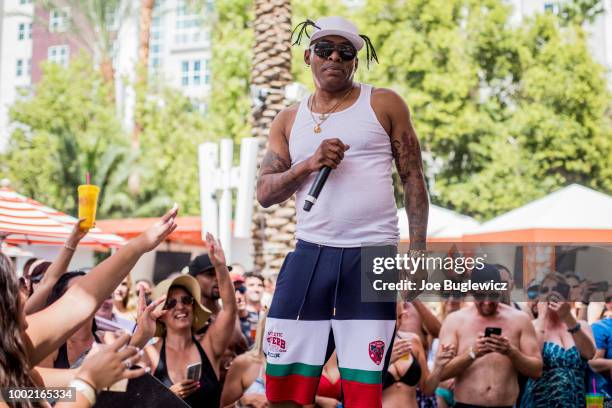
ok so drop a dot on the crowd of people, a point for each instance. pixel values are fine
(466, 351)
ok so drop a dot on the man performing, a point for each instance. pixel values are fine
(486, 365)
(357, 131)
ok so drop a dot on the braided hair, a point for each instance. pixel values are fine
(302, 29)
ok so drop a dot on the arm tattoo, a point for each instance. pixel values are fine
(277, 179)
(407, 154)
(274, 163)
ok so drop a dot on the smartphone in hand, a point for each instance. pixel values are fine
(492, 330)
(194, 371)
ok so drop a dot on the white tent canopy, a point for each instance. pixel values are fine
(572, 207)
(442, 224)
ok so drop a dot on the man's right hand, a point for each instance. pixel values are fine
(329, 154)
(482, 346)
(185, 388)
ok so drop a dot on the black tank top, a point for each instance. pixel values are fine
(61, 361)
(209, 393)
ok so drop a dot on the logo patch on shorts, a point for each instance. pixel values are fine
(276, 344)
(376, 350)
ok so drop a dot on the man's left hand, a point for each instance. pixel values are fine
(500, 344)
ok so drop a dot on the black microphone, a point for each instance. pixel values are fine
(316, 188)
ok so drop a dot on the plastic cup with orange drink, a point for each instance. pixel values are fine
(88, 203)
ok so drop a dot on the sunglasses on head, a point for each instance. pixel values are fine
(171, 303)
(324, 49)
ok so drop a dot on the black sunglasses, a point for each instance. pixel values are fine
(171, 303)
(324, 49)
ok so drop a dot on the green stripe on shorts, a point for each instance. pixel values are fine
(362, 376)
(281, 370)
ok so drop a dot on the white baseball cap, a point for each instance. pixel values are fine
(337, 26)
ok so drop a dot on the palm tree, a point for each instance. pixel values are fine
(273, 227)
(146, 17)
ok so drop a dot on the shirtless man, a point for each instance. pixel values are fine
(486, 368)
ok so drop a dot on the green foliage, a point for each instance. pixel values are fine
(70, 127)
(580, 11)
(229, 102)
(512, 113)
(66, 129)
(172, 131)
(506, 113)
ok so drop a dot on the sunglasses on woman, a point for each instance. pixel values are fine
(324, 49)
(172, 302)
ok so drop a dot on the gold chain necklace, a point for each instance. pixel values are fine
(324, 116)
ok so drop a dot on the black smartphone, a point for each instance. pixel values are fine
(600, 286)
(194, 371)
(493, 330)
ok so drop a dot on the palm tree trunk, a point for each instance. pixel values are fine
(273, 227)
(146, 18)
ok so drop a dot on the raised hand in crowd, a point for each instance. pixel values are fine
(111, 363)
(82, 300)
(215, 251)
(59, 267)
(446, 353)
(147, 319)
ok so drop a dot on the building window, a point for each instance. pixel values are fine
(188, 25)
(197, 70)
(206, 73)
(59, 54)
(185, 73)
(549, 7)
(24, 31)
(194, 73)
(23, 2)
(19, 70)
(58, 20)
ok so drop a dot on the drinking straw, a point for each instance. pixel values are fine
(594, 386)
(87, 178)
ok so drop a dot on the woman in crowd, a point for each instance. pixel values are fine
(409, 376)
(123, 300)
(71, 353)
(24, 342)
(567, 345)
(178, 347)
(37, 273)
(44, 275)
(607, 310)
(244, 383)
(329, 391)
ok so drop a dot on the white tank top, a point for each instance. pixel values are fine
(356, 205)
